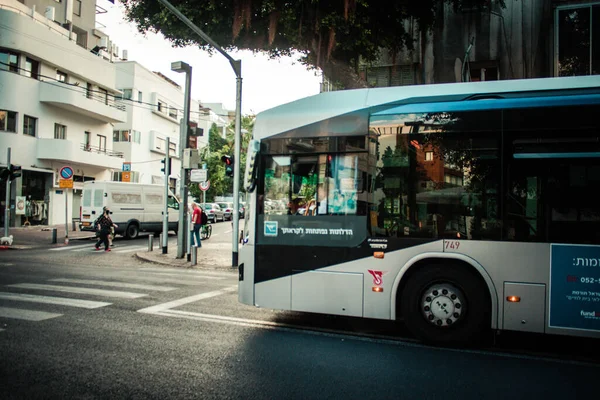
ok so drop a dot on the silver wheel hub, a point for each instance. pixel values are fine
(442, 304)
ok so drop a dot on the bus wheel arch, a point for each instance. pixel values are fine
(446, 300)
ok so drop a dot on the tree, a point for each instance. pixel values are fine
(331, 35)
(221, 185)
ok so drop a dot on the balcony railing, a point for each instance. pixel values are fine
(99, 150)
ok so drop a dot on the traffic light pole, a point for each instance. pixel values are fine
(236, 65)
(165, 235)
(7, 202)
(183, 189)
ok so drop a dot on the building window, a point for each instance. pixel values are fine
(162, 107)
(101, 143)
(139, 97)
(60, 131)
(172, 148)
(9, 61)
(121, 136)
(137, 137)
(160, 144)
(32, 68)
(77, 8)
(8, 121)
(173, 112)
(61, 76)
(429, 156)
(394, 75)
(479, 71)
(127, 94)
(88, 92)
(87, 140)
(104, 95)
(578, 40)
(29, 125)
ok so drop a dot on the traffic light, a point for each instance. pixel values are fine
(15, 172)
(228, 160)
(4, 174)
(163, 165)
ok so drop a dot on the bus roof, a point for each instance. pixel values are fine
(346, 112)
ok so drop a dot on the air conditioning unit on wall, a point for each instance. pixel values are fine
(50, 13)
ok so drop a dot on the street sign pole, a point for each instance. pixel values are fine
(66, 193)
(204, 192)
(165, 234)
(7, 203)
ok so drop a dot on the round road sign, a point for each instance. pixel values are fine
(204, 186)
(66, 172)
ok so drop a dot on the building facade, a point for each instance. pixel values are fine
(57, 108)
(69, 99)
(523, 40)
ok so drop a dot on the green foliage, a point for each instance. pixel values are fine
(221, 185)
(322, 30)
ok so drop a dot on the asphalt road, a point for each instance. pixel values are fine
(125, 329)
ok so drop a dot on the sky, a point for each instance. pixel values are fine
(265, 83)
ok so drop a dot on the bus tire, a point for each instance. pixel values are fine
(132, 231)
(446, 303)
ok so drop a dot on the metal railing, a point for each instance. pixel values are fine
(21, 9)
(99, 150)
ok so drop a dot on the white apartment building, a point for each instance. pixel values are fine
(57, 104)
(155, 105)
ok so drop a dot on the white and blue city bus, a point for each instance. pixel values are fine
(455, 208)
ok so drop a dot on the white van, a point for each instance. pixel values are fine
(134, 207)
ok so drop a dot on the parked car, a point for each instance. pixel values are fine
(227, 210)
(213, 212)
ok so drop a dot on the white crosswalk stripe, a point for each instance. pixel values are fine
(71, 248)
(129, 249)
(29, 315)
(63, 301)
(115, 284)
(79, 290)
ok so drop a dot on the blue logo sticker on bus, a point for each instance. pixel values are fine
(575, 287)
(271, 228)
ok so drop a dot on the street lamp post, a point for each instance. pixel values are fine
(236, 65)
(180, 66)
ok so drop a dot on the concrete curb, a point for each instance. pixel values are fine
(143, 258)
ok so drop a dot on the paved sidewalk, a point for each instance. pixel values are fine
(39, 236)
(215, 256)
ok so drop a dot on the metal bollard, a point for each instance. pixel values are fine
(54, 239)
(160, 242)
(150, 242)
(194, 255)
(74, 226)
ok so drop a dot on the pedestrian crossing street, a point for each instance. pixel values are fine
(89, 248)
(19, 300)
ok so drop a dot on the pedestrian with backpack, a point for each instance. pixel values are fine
(103, 226)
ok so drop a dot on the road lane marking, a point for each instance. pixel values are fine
(186, 300)
(130, 249)
(187, 272)
(63, 301)
(215, 278)
(115, 284)
(67, 247)
(28, 315)
(71, 289)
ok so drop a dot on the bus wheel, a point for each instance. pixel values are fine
(132, 231)
(446, 304)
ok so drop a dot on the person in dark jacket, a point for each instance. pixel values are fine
(103, 226)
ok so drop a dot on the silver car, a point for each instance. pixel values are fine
(227, 210)
(213, 212)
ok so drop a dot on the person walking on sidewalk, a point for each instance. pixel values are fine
(103, 225)
(197, 223)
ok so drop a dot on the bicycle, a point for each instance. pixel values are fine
(205, 232)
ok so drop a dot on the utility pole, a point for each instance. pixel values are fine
(180, 66)
(236, 65)
(7, 203)
(165, 235)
